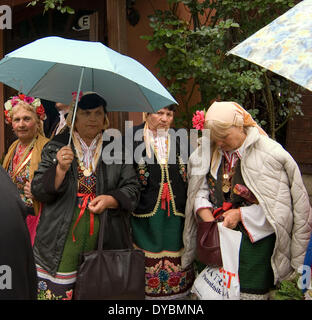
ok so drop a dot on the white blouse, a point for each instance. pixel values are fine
(160, 144)
(252, 217)
(88, 154)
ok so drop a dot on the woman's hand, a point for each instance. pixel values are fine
(65, 157)
(102, 202)
(27, 190)
(231, 218)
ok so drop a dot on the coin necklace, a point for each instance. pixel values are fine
(226, 181)
(226, 184)
(86, 171)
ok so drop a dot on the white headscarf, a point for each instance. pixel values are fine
(228, 113)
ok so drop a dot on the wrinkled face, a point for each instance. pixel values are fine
(234, 137)
(160, 120)
(25, 124)
(89, 123)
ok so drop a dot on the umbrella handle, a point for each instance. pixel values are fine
(75, 108)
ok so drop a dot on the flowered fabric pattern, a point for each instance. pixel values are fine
(59, 287)
(166, 278)
(284, 46)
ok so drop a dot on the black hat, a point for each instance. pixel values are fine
(91, 101)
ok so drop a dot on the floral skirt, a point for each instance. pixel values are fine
(160, 237)
(58, 287)
(61, 285)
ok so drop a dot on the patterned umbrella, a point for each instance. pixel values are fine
(284, 46)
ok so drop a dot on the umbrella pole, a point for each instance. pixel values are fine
(75, 108)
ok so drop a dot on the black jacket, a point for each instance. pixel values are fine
(15, 246)
(117, 180)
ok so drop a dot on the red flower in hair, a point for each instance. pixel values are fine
(199, 119)
(7, 116)
(40, 111)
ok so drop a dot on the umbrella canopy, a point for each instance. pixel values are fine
(284, 46)
(51, 68)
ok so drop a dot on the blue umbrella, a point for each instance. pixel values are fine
(52, 68)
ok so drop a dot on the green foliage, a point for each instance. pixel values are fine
(53, 4)
(193, 57)
(288, 290)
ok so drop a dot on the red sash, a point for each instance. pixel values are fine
(86, 197)
(165, 197)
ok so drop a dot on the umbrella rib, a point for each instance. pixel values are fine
(144, 96)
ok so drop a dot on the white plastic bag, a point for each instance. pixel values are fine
(221, 283)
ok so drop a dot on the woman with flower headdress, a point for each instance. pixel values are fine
(26, 115)
(260, 183)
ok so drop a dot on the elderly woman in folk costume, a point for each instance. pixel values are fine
(275, 219)
(158, 221)
(26, 115)
(76, 186)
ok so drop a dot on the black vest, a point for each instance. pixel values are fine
(150, 175)
(217, 197)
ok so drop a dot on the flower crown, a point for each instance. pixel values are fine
(33, 102)
(198, 119)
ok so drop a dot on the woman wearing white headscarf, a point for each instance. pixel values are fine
(276, 225)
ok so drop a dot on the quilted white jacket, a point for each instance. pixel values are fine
(273, 176)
